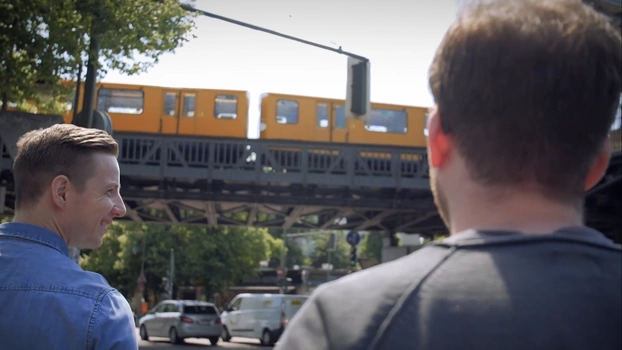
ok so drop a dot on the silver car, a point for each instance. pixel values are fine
(179, 319)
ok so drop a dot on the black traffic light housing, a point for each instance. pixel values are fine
(359, 88)
(353, 256)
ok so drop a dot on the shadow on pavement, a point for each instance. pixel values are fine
(235, 344)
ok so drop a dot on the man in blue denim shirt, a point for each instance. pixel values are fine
(67, 183)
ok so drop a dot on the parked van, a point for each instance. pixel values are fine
(259, 316)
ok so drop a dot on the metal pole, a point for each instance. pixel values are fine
(141, 278)
(190, 8)
(76, 99)
(142, 261)
(172, 274)
(328, 255)
(283, 264)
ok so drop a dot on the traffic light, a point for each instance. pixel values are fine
(353, 256)
(358, 105)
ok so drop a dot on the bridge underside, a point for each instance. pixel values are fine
(281, 184)
(292, 186)
(277, 207)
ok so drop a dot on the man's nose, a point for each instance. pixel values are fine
(119, 209)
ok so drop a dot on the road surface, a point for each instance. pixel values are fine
(235, 344)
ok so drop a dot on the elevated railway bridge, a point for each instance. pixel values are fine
(291, 185)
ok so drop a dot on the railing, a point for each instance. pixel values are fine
(291, 162)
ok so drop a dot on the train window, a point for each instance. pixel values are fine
(120, 101)
(425, 124)
(226, 107)
(340, 117)
(387, 120)
(189, 105)
(170, 104)
(338, 113)
(322, 115)
(286, 112)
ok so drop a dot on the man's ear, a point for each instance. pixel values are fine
(599, 167)
(439, 143)
(60, 185)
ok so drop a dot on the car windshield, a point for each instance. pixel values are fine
(199, 310)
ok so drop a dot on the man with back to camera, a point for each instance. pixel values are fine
(525, 94)
(67, 183)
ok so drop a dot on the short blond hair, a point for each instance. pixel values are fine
(62, 149)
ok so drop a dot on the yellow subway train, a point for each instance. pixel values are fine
(225, 113)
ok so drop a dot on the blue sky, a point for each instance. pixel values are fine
(398, 36)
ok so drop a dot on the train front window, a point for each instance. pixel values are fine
(387, 120)
(287, 112)
(120, 101)
(226, 107)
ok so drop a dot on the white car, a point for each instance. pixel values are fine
(179, 319)
(260, 316)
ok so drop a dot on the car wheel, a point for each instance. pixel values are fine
(225, 335)
(266, 338)
(143, 333)
(172, 334)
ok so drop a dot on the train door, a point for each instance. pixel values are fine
(187, 118)
(339, 132)
(330, 123)
(169, 118)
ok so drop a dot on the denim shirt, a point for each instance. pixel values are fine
(49, 302)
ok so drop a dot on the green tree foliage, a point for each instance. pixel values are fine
(340, 258)
(45, 41)
(213, 258)
(371, 246)
(293, 253)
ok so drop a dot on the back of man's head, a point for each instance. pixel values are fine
(528, 90)
(62, 149)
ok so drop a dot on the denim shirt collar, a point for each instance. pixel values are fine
(35, 234)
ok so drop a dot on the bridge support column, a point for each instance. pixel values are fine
(2, 198)
(390, 240)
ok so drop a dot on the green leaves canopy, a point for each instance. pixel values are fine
(213, 258)
(44, 41)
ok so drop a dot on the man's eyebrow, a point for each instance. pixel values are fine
(115, 185)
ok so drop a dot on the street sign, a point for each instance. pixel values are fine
(353, 238)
